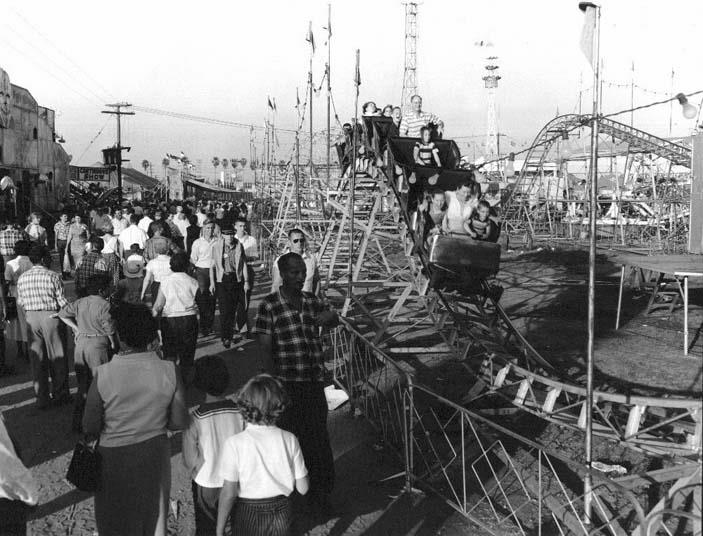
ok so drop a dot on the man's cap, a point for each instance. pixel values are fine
(134, 268)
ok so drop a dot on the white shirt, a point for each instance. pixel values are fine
(248, 242)
(144, 223)
(17, 482)
(133, 235)
(201, 253)
(119, 225)
(311, 270)
(201, 218)
(179, 290)
(160, 267)
(265, 460)
(110, 245)
(210, 426)
(182, 225)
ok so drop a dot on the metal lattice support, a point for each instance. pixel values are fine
(410, 71)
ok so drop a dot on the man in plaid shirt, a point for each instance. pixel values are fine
(10, 235)
(91, 264)
(287, 324)
(40, 292)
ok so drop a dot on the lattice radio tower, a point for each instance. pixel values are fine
(410, 72)
(491, 84)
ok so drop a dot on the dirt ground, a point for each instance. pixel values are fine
(545, 295)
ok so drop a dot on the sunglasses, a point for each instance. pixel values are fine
(296, 240)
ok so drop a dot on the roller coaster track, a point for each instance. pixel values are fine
(529, 189)
(506, 367)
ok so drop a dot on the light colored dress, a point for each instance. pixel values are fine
(78, 233)
(17, 327)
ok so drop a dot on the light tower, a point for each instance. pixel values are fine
(491, 84)
(410, 71)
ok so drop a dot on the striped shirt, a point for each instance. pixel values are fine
(411, 123)
(40, 289)
(61, 230)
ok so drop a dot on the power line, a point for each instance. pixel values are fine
(56, 48)
(93, 140)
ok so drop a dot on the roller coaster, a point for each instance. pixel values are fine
(398, 320)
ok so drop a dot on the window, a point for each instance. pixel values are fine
(34, 133)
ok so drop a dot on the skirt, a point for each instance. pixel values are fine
(135, 487)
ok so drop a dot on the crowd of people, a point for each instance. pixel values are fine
(147, 282)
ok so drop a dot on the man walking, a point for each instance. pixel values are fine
(132, 235)
(287, 324)
(230, 273)
(8, 237)
(296, 244)
(251, 251)
(40, 293)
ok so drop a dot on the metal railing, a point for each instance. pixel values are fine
(488, 473)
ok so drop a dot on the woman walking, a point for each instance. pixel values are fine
(133, 400)
(78, 236)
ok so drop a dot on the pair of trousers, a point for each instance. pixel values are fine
(205, 502)
(306, 417)
(89, 354)
(262, 517)
(47, 356)
(179, 335)
(13, 517)
(61, 247)
(204, 299)
(231, 298)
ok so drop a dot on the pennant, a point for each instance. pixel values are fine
(589, 30)
(297, 98)
(270, 104)
(310, 38)
(357, 74)
(275, 108)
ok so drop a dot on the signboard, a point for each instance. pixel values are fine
(89, 174)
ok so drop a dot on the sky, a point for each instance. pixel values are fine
(222, 59)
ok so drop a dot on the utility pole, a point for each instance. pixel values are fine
(118, 113)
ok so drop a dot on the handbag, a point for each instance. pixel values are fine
(66, 267)
(84, 469)
(10, 308)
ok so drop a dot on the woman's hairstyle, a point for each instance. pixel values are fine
(136, 326)
(423, 130)
(97, 243)
(368, 104)
(179, 262)
(97, 283)
(211, 375)
(485, 204)
(22, 247)
(262, 400)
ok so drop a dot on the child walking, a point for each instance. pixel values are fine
(260, 466)
(212, 423)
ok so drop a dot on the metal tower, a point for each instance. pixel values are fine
(410, 72)
(491, 84)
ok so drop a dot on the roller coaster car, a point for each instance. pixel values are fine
(462, 264)
(463, 253)
(377, 130)
(402, 150)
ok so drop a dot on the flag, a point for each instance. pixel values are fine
(310, 38)
(270, 104)
(275, 108)
(589, 30)
(297, 98)
(357, 74)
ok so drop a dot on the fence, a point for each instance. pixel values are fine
(492, 475)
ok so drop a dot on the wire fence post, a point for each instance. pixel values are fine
(409, 407)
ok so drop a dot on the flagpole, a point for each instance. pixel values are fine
(588, 484)
(296, 175)
(312, 51)
(273, 140)
(352, 183)
(329, 87)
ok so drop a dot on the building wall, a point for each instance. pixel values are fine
(29, 155)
